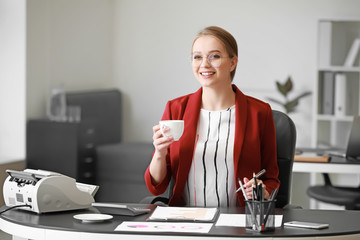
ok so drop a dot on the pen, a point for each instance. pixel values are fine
(259, 174)
(255, 188)
(261, 198)
(247, 202)
(242, 189)
(271, 199)
(273, 194)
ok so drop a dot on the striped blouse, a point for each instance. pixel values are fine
(211, 181)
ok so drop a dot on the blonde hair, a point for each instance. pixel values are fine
(225, 37)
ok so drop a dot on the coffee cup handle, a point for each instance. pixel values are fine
(162, 131)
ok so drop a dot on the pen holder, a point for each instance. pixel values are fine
(260, 215)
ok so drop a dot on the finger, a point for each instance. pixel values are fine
(249, 187)
(163, 142)
(162, 148)
(266, 194)
(158, 133)
(248, 183)
(156, 128)
(248, 193)
(246, 180)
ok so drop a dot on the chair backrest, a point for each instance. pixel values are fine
(285, 141)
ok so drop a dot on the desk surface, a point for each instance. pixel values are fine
(329, 167)
(336, 164)
(63, 226)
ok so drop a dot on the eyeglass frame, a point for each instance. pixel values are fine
(209, 59)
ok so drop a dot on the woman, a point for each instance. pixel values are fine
(227, 135)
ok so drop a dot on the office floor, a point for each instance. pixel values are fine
(5, 236)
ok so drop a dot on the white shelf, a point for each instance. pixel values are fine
(326, 117)
(338, 19)
(339, 69)
(337, 88)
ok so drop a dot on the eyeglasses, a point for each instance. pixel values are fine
(213, 59)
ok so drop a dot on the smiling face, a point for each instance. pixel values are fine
(207, 70)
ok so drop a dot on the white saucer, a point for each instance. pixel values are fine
(93, 217)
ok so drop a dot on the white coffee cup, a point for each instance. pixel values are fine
(176, 128)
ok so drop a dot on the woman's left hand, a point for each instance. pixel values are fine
(248, 187)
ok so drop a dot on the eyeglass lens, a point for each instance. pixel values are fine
(213, 59)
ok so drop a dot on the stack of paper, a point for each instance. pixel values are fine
(183, 214)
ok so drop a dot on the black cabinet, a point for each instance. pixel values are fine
(64, 147)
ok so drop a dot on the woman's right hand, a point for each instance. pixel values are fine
(160, 142)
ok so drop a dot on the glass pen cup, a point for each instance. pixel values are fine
(260, 215)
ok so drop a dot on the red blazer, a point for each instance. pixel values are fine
(254, 144)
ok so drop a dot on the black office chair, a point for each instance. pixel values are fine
(285, 140)
(343, 196)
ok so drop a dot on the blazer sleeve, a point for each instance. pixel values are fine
(161, 187)
(269, 153)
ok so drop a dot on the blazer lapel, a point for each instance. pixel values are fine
(187, 141)
(240, 125)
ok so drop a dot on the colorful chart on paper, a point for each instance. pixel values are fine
(164, 227)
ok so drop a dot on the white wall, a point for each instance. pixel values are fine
(276, 39)
(70, 44)
(12, 80)
(143, 48)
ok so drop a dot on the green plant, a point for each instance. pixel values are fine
(284, 89)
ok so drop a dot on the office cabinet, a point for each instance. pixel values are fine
(64, 147)
(337, 86)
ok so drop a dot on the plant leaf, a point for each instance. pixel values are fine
(303, 95)
(290, 106)
(288, 85)
(281, 88)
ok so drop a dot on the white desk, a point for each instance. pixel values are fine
(59, 226)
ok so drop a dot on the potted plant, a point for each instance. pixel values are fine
(284, 89)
